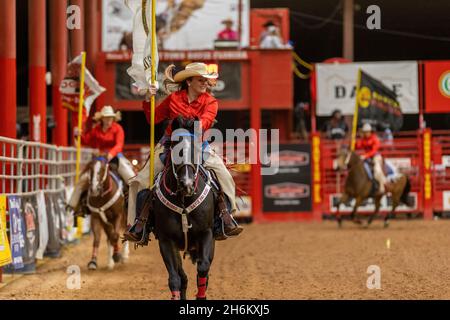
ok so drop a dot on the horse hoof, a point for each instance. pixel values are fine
(339, 221)
(117, 257)
(92, 265)
(111, 266)
(201, 298)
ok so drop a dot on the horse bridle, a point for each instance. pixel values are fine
(194, 167)
(105, 176)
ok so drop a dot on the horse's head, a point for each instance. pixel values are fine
(98, 175)
(344, 156)
(186, 151)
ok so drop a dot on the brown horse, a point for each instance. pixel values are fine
(359, 186)
(105, 201)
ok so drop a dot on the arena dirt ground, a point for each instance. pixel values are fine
(271, 261)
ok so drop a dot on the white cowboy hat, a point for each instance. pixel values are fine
(196, 69)
(107, 111)
(367, 127)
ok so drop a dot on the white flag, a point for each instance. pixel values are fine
(140, 69)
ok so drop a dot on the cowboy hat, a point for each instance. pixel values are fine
(107, 111)
(227, 20)
(196, 69)
(366, 127)
(269, 24)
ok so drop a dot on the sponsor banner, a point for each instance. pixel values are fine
(446, 161)
(53, 217)
(5, 250)
(16, 231)
(400, 163)
(31, 229)
(437, 86)
(368, 205)
(446, 200)
(43, 225)
(377, 104)
(290, 189)
(180, 24)
(336, 84)
(61, 211)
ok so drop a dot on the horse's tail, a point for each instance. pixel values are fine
(404, 197)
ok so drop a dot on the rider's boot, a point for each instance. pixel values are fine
(143, 224)
(230, 226)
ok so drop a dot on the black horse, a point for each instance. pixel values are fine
(184, 207)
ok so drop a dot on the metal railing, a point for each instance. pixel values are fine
(28, 167)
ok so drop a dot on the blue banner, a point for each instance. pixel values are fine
(17, 231)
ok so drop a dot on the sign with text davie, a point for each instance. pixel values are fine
(289, 190)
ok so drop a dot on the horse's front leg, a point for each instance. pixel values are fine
(358, 201)
(343, 200)
(377, 201)
(205, 257)
(172, 260)
(97, 231)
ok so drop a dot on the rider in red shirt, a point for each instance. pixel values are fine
(370, 143)
(190, 100)
(108, 138)
(371, 146)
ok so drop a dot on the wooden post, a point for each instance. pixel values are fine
(348, 39)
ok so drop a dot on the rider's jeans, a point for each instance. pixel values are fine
(212, 161)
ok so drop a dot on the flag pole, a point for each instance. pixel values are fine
(80, 113)
(152, 101)
(355, 115)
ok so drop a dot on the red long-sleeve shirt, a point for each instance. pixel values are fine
(371, 145)
(204, 107)
(110, 141)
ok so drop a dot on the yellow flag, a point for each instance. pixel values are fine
(5, 250)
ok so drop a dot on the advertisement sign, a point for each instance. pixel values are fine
(43, 225)
(5, 250)
(31, 229)
(16, 231)
(437, 86)
(336, 84)
(180, 24)
(289, 190)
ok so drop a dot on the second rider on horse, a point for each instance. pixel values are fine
(108, 137)
(371, 145)
(190, 99)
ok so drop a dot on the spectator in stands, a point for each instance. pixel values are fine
(271, 38)
(228, 34)
(335, 128)
(300, 123)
